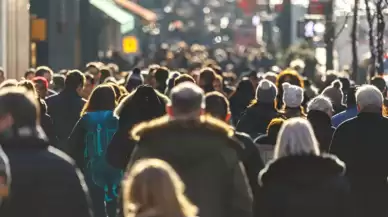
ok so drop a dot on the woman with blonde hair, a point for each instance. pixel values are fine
(300, 181)
(153, 189)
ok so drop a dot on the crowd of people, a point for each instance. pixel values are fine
(155, 142)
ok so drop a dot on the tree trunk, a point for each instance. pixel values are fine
(372, 61)
(354, 40)
(380, 37)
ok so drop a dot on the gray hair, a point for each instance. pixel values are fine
(187, 100)
(320, 103)
(296, 137)
(369, 96)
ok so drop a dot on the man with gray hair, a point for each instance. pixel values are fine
(201, 149)
(361, 143)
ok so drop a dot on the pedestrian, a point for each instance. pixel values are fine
(5, 177)
(153, 189)
(241, 99)
(45, 181)
(259, 114)
(59, 82)
(335, 94)
(48, 74)
(351, 110)
(135, 79)
(300, 181)
(361, 143)
(319, 113)
(41, 86)
(89, 86)
(207, 77)
(183, 78)
(200, 149)
(143, 104)
(218, 106)
(289, 76)
(88, 145)
(160, 76)
(293, 96)
(29, 74)
(65, 108)
(171, 82)
(45, 119)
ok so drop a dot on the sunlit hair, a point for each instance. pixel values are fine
(296, 137)
(153, 188)
(103, 98)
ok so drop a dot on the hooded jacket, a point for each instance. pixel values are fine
(45, 181)
(203, 154)
(304, 186)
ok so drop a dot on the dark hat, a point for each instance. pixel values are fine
(266, 92)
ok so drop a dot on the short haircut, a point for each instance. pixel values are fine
(320, 103)
(296, 137)
(59, 81)
(21, 104)
(379, 82)
(90, 77)
(208, 75)
(30, 71)
(162, 74)
(351, 97)
(183, 78)
(187, 98)
(42, 81)
(217, 105)
(74, 80)
(42, 70)
(106, 72)
(368, 96)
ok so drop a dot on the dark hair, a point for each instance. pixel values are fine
(90, 77)
(183, 78)
(59, 82)
(102, 98)
(134, 80)
(42, 70)
(217, 105)
(351, 97)
(161, 75)
(171, 81)
(74, 80)
(21, 104)
(30, 71)
(208, 76)
(379, 82)
(105, 73)
(28, 85)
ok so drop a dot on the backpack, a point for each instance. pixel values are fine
(5, 176)
(101, 126)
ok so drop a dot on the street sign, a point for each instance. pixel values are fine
(130, 44)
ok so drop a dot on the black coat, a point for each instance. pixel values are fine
(45, 182)
(304, 186)
(361, 143)
(323, 128)
(47, 123)
(65, 110)
(256, 119)
(203, 154)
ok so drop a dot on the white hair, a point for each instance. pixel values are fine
(369, 96)
(320, 103)
(296, 137)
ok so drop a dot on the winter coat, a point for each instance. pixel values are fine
(323, 130)
(122, 145)
(45, 182)
(256, 119)
(361, 143)
(65, 110)
(304, 186)
(203, 154)
(47, 123)
(288, 113)
(344, 116)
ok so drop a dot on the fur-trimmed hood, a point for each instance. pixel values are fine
(302, 170)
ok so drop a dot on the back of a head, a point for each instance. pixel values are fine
(135, 79)
(29, 73)
(105, 73)
(369, 97)
(206, 78)
(161, 75)
(21, 104)
(187, 100)
(274, 127)
(271, 76)
(74, 80)
(351, 97)
(266, 91)
(320, 103)
(153, 188)
(59, 82)
(292, 95)
(183, 78)
(103, 98)
(217, 105)
(42, 70)
(334, 92)
(147, 103)
(296, 137)
(379, 82)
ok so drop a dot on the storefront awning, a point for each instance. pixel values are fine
(138, 10)
(111, 9)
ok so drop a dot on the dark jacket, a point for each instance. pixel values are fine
(288, 113)
(256, 119)
(323, 129)
(203, 154)
(47, 123)
(304, 186)
(65, 110)
(45, 182)
(361, 143)
(130, 113)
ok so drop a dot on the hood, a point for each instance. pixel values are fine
(302, 170)
(186, 142)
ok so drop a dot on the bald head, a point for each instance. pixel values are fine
(187, 101)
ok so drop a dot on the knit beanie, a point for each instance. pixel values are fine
(334, 92)
(266, 91)
(292, 95)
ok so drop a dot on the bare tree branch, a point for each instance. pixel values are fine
(344, 25)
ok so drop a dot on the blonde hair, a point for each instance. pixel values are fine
(296, 137)
(153, 188)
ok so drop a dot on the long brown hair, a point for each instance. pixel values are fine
(103, 98)
(153, 188)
